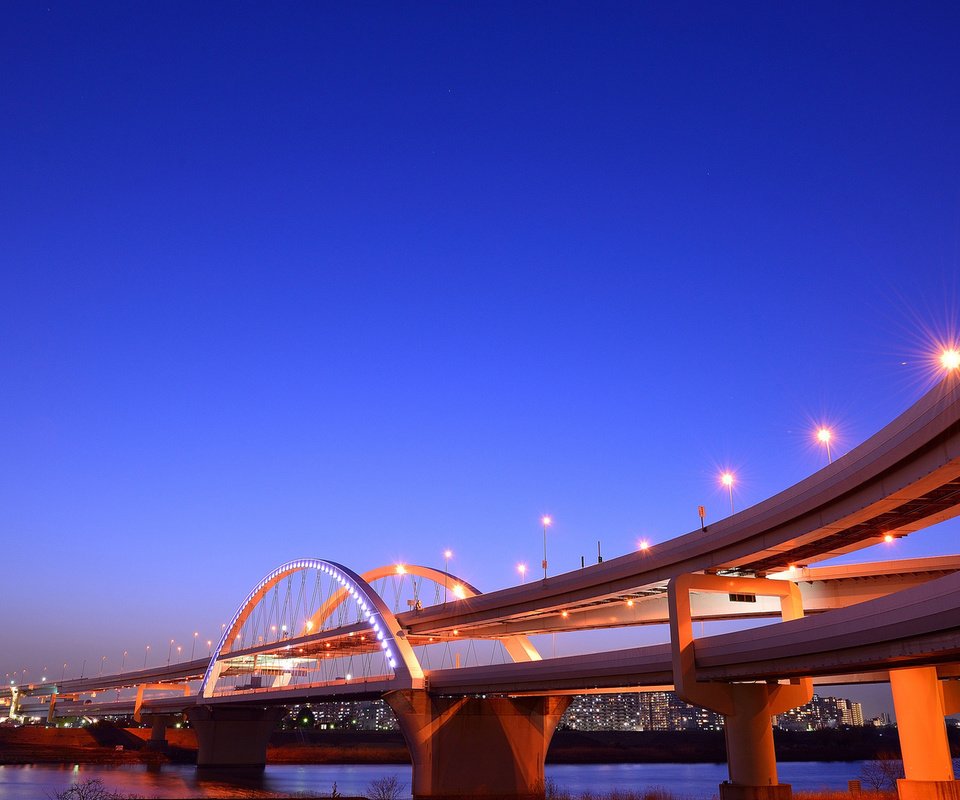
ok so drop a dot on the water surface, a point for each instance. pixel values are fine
(697, 781)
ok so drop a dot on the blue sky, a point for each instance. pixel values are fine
(370, 281)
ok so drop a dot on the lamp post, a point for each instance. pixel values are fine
(824, 435)
(169, 652)
(727, 480)
(194, 645)
(102, 660)
(522, 569)
(123, 662)
(447, 555)
(145, 651)
(546, 520)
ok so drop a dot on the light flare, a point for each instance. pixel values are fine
(950, 358)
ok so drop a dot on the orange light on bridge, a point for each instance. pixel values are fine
(401, 570)
(459, 591)
(888, 537)
(629, 603)
(643, 544)
(564, 614)
(522, 569)
(950, 358)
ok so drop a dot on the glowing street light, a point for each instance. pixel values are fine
(643, 544)
(546, 521)
(169, 652)
(824, 435)
(194, 645)
(447, 555)
(179, 651)
(950, 359)
(209, 647)
(145, 651)
(123, 662)
(102, 659)
(522, 569)
(727, 480)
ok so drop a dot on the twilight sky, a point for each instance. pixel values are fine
(363, 282)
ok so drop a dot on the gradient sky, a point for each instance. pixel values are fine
(367, 281)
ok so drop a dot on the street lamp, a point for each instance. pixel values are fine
(546, 520)
(447, 555)
(950, 359)
(194, 645)
(145, 651)
(169, 652)
(522, 569)
(824, 435)
(102, 659)
(209, 647)
(123, 662)
(727, 480)
(179, 650)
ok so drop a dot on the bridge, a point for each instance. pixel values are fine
(314, 630)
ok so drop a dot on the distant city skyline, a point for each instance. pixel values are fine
(375, 284)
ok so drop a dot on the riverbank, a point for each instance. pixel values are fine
(104, 744)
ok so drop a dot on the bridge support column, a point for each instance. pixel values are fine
(919, 702)
(746, 707)
(233, 737)
(158, 732)
(476, 747)
(14, 703)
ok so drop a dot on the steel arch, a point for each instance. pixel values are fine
(407, 670)
(518, 646)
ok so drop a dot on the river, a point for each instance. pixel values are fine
(695, 781)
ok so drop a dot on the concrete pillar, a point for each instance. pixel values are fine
(476, 746)
(918, 700)
(747, 708)
(14, 703)
(233, 736)
(158, 732)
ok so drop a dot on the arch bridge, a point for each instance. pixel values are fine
(313, 629)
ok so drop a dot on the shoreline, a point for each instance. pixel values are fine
(110, 745)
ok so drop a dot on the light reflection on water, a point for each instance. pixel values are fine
(316, 780)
